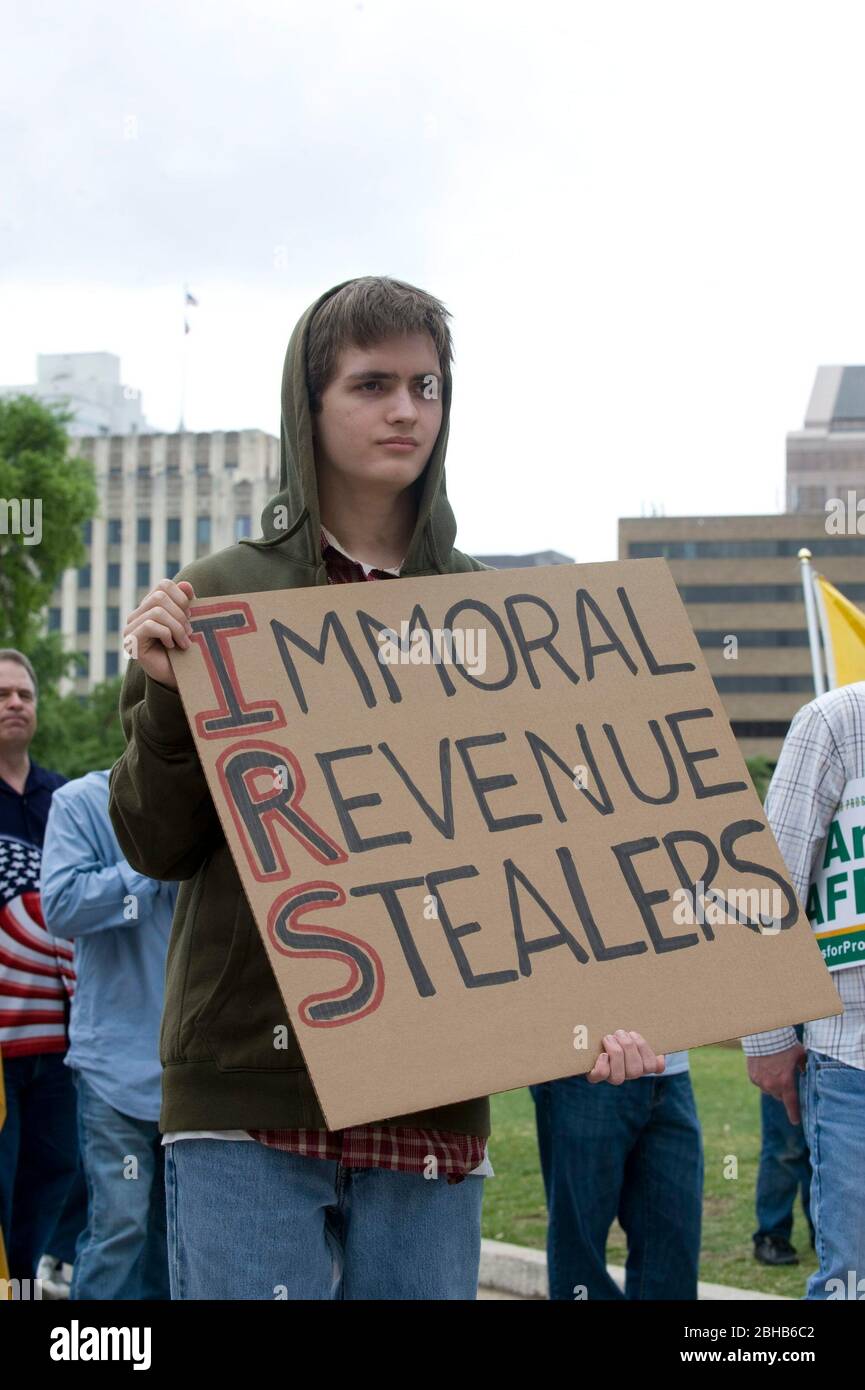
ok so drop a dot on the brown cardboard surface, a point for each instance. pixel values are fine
(449, 911)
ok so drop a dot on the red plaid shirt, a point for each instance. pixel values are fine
(434, 1152)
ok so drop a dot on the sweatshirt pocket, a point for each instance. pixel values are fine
(244, 1023)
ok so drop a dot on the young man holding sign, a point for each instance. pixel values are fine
(263, 1201)
(816, 808)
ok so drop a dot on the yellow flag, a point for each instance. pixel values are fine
(843, 628)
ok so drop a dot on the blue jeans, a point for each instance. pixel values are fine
(246, 1221)
(833, 1103)
(785, 1169)
(632, 1151)
(73, 1218)
(38, 1156)
(123, 1251)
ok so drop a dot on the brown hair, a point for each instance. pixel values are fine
(11, 654)
(366, 312)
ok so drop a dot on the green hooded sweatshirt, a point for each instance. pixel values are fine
(221, 1067)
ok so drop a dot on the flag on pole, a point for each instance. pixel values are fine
(842, 626)
(188, 298)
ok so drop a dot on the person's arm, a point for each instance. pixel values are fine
(80, 893)
(159, 803)
(802, 799)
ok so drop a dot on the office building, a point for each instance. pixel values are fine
(738, 576)
(517, 562)
(89, 384)
(826, 458)
(164, 500)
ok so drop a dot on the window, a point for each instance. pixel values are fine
(760, 728)
(115, 531)
(83, 664)
(144, 530)
(83, 624)
(747, 549)
(242, 527)
(142, 574)
(113, 575)
(112, 616)
(755, 593)
(87, 532)
(754, 637)
(812, 499)
(799, 685)
(84, 577)
(53, 619)
(112, 663)
(172, 530)
(202, 530)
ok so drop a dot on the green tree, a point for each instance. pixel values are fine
(42, 480)
(761, 769)
(46, 494)
(79, 733)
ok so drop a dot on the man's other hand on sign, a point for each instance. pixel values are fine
(624, 1057)
(161, 620)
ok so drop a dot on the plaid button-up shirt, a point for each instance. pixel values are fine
(433, 1152)
(824, 749)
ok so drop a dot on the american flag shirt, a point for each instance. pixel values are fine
(36, 973)
(433, 1152)
(824, 749)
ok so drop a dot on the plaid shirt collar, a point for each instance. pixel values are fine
(343, 568)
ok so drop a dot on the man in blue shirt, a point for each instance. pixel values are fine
(120, 921)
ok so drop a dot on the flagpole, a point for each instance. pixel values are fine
(182, 425)
(811, 616)
(828, 649)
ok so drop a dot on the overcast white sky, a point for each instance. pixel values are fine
(647, 220)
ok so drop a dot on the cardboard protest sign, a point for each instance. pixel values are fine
(484, 819)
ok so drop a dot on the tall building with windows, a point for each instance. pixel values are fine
(89, 384)
(739, 578)
(164, 500)
(826, 458)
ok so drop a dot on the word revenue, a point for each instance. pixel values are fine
(264, 785)
(599, 644)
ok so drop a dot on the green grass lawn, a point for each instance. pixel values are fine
(729, 1109)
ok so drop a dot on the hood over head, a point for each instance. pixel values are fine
(291, 518)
